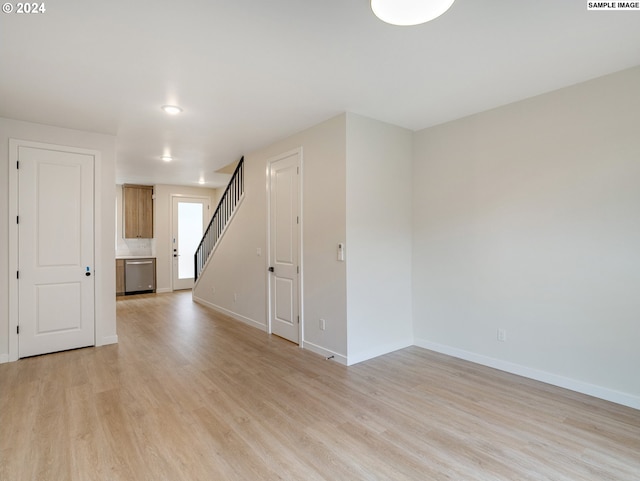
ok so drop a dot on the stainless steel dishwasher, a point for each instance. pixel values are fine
(139, 275)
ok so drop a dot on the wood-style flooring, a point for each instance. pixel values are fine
(190, 395)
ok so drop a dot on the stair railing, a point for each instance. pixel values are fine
(226, 207)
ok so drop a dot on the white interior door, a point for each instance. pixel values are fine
(188, 223)
(284, 246)
(55, 250)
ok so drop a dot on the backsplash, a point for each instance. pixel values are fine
(135, 247)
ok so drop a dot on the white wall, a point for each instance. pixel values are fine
(105, 269)
(162, 210)
(378, 247)
(356, 190)
(160, 246)
(236, 268)
(527, 218)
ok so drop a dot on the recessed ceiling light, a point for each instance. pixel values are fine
(409, 12)
(167, 158)
(171, 109)
(201, 181)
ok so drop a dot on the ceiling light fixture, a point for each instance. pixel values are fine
(171, 109)
(167, 158)
(409, 12)
(201, 181)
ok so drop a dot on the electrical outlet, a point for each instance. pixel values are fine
(323, 324)
(502, 335)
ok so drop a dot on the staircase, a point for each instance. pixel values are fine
(221, 217)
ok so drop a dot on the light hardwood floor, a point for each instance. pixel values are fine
(191, 395)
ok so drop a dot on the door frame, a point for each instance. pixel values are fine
(209, 213)
(14, 145)
(269, 287)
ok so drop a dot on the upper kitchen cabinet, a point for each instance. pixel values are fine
(138, 211)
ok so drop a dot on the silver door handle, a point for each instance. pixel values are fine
(138, 263)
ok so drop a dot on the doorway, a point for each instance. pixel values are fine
(189, 217)
(54, 246)
(284, 246)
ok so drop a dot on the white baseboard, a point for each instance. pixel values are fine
(232, 314)
(109, 340)
(339, 358)
(378, 351)
(105, 341)
(163, 290)
(600, 392)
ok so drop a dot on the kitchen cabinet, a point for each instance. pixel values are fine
(119, 277)
(137, 211)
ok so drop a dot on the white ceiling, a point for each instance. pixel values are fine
(249, 72)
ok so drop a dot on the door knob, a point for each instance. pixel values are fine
(271, 269)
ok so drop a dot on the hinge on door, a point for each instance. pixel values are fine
(17, 274)
(17, 329)
(17, 219)
(17, 164)
(297, 219)
(298, 319)
(297, 170)
(298, 269)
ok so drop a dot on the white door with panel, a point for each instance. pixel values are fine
(55, 250)
(189, 218)
(284, 249)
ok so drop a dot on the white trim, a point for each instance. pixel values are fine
(4, 358)
(13, 250)
(549, 378)
(267, 257)
(215, 247)
(14, 144)
(98, 310)
(339, 358)
(164, 290)
(109, 340)
(378, 351)
(297, 151)
(301, 246)
(231, 314)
